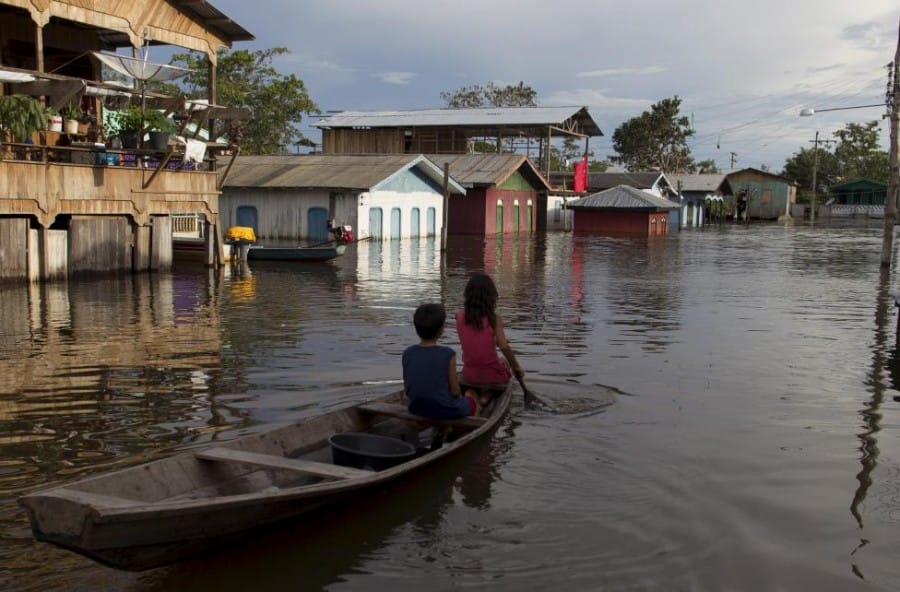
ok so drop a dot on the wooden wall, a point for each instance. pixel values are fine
(442, 140)
(13, 251)
(99, 243)
(638, 223)
(375, 141)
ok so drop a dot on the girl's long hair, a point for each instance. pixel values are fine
(480, 300)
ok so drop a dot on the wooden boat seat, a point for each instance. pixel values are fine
(399, 411)
(272, 461)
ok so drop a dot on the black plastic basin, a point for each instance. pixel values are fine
(369, 451)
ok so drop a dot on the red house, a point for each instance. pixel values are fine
(622, 210)
(505, 194)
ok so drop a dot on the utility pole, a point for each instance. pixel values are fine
(890, 204)
(817, 141)
(733, 158)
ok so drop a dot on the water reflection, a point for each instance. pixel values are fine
(728, 465)
(85, 381)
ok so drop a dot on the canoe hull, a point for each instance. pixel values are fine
(259, 253)
(153, 514)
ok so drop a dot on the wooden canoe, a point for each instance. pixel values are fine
(320, 253)
(166, 510)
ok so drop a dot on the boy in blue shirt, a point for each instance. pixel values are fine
(429, 370)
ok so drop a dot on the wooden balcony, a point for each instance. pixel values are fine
(85, 179)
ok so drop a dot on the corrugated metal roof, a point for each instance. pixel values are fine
(697, 182)
(622, 197)
(480, 118)
(326, 171)
(601, 181)
(213, 18)
(488, 170)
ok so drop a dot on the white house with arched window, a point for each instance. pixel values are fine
(291, 199)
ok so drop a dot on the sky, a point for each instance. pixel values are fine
(743, 70)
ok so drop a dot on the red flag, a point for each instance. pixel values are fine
(579, 183)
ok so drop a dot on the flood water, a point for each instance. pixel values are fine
(727, 414)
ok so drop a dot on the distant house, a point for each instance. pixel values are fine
(761, 195)
(622, 210)
(291, 198)
(857, 197)
(504, 194)
(696, 193)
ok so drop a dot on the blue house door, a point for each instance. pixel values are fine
(317, 224)
(375, 223)
(246, 216)
(395, 223)
(430, 222)
(414, 223)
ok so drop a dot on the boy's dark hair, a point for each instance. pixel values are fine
(480, 300)
(428, 319)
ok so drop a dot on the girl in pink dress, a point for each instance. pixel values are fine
(480, 331)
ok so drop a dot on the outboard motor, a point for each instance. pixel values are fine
(346, 234)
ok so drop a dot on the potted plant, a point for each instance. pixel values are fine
(71, 116)
(54, 120)
(161, 129)
(126, 124)
(20, 116)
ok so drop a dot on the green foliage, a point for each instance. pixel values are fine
(125, 120)
(249, 80)
(71, 111)
(598, 166)
(490, 95)
(856, 156)
(571, 151)
(858, 153)
(656, 140)
(799, 168)
(20, 115)
(155, 121)
(707, 167)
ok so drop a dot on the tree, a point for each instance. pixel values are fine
(707, 167)
(490, 95)
(655, 140)
(570, 151)
(858, 154)
(799, 168)
(248, 80)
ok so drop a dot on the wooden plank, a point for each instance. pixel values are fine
(272, 461)
(399, 411)
(94, 499)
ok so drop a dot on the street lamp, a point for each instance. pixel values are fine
(808, 112)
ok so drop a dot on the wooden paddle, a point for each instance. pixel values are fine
(531, 400)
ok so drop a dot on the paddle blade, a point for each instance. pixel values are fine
(532, 401)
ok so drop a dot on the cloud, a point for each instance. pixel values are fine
(621, 71)
(870, 35)
(398, 78)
